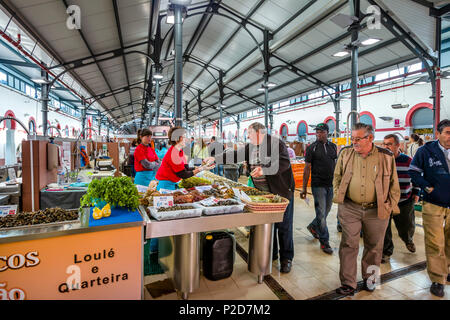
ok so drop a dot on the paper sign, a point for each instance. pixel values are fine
(142, 189)
(203, 188)
(165, 191)
(182, 190)
(237, 192)
(245, 197)
(12, 174)
(209, 201)
(165, 201)
(11, 209)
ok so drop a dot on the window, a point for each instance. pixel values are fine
(302, 129)
(10, 81)
(17, 83)
(414, 67)
(22, 86)
(31, 126)
(382, 76)
(3, 77)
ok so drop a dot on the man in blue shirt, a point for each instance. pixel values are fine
(429, 169)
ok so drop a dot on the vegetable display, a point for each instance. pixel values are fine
(175, 208)
(193, 182)
(115, 191)
(253, 191)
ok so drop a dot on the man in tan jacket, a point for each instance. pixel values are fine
(367, 191)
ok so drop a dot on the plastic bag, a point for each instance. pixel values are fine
(250, 182)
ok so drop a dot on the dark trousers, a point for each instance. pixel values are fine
(283, 234)
(323, 199)
(405, 222)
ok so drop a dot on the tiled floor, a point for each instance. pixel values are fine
(314, 272)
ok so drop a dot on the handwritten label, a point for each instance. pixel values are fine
(245, 197)
(209, 201)
(141, 189)
(11, 209)
(165, 201)
(237, 192)
(203, 188)
(165, 191)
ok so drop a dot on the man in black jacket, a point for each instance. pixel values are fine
(270, 169)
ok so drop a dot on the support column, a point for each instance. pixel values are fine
(83, 120)
(270, 119)
(267, 68)
(107, 131)
(238, 125)
(44, 100)
(157, 102)
(355, 9)
(221, 121)
(150, 116)
(337, 110)
(178, 94)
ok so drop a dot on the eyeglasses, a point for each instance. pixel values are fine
(358, 139)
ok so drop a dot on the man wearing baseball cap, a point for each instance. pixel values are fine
(320, 160)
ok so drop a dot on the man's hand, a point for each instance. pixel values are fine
(209, 160)
(257, 172)
(416, 199)
(303, 194)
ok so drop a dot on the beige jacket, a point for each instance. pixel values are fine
(386, 182)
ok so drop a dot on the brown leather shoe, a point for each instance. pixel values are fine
(286, 266)
(411, 247)
(448, 277)
(346, 290)
(437, 289)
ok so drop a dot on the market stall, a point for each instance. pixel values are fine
(210, 203)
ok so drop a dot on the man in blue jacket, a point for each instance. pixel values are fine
(430, 170)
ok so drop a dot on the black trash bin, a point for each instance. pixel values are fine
(218, 255)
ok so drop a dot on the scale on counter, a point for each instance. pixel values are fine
(104, 164)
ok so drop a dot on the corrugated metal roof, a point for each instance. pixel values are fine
(303, 35)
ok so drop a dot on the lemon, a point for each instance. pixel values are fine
(97, 214)
(106, 211)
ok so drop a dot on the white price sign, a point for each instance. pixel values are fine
(209, 201)
(182, 190)
(5, 210)
(203, 188)
(245, 197)
(165, 191)
(237, 192)
(166, 201)
(141, 189)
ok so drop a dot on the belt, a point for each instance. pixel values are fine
(364, 205)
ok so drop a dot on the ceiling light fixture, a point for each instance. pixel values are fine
(370, 41)
(158, 76)
(341, 54)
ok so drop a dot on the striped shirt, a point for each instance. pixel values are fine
(402, 163)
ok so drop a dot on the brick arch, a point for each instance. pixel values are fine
(287, 129)
(409, 115)
(298, 125)
(10, 113)
(374, 123)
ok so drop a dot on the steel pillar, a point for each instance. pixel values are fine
(337, 111)
(44, 100)
(355, 10)
(83, 120)
(178, 38)
(157, 102)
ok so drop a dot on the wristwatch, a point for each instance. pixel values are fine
(428, 189)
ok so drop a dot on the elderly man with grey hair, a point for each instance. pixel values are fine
(367, 191)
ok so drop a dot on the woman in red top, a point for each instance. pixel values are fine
(146, 162)
(173, 167)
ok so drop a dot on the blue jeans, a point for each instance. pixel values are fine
(218, 169)
(283, 234)
(323, 199)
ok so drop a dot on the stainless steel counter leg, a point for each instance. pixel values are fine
(260, 250)
(179, 257)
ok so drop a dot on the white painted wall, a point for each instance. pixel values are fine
(379, 104)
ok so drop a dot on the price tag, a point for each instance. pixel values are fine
(245, 197)
(209, 201)
(182, 190)
(165, 201)
(141, 189)
(5, 210)
(307, 201)
(166, 191)
(237, 192)
(203, 188)
(226, 185)
(12, 174)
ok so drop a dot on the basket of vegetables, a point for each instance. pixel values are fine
(179, 211)
(266, 203)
